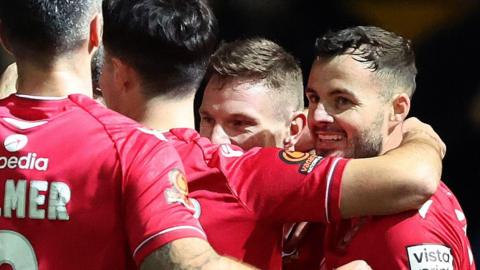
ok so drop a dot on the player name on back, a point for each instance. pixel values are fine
(43, 200)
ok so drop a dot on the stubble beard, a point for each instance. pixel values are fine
(367, 143)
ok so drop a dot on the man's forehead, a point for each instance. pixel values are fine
(218, 83)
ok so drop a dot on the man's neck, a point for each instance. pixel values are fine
(164, 114)
(62, 78)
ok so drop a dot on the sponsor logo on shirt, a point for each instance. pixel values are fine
(293, 157)
(30, 161)
(15, 142)
(430, 257)
(307, 161)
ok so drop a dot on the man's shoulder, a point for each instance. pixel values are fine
(111, 120)
(430, 222)
(190, 144)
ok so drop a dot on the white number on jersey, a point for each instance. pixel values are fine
(16, 251)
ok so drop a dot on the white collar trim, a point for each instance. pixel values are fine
(40, 97)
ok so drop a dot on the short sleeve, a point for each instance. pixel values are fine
(156, 204)
(282, 185)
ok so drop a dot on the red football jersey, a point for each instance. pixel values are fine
(433, 238)
(244, 198)
(82, 187)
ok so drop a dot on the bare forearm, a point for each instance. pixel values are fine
(400, 180)
(355, 265)
(189, 254)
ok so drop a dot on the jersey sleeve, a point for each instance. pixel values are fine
(282, 185)
(156, 204)
(434, 238)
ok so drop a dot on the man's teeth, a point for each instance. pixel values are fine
(330, 137)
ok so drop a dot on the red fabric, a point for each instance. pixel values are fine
(309, 253)
(433, 237)
(246, 197)
(95, 193)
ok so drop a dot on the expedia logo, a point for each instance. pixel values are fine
(430, 257)
(31, 161)
(15, 142)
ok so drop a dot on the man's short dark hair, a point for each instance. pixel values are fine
(168, 42)
(263, 60)
(40, 30)
(96, 67)
(387, 54)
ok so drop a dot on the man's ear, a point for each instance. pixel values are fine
(4, 40)
(125, 77)
(297, 124)
(95, 36)
(120, 75)
(400, 109)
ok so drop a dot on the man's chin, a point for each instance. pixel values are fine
(331, 153)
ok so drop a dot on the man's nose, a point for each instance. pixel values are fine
(322, 115)
(219, 136)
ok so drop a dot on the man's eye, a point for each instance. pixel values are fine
(207, 119)
(342, 102)
(238, 123)
(313, 98)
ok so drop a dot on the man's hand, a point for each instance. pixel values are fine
(355, 265)
(294, 234)
(413, 129)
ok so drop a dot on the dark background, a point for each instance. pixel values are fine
(444, 33)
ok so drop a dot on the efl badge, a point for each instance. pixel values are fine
(178, 193)
(306, 161)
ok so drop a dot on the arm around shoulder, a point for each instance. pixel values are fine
(402, 179)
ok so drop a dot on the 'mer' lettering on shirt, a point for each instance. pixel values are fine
(15, 199)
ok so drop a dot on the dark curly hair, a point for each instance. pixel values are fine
(168, 42)
(385, 53)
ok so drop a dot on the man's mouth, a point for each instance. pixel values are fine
(330, 137)
(326, 142)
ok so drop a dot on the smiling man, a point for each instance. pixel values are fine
(359, 90)
(254, 96)
(152, 70)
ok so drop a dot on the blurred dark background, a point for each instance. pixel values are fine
(444, 34)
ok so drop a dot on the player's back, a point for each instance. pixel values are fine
(244, 198)
(63, 194)
(434, 237)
